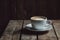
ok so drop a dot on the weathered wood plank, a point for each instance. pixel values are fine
(16, 34)
(56, 24)
(48, 36)
(7, 35)
(26, 34)
(12, 31)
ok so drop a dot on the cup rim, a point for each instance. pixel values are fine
(44, 17)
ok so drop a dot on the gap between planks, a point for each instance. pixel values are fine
(7, 35)
(56, 24)
(17, 34)
(9, 32)
(25, 33)
(48, 36)
(10, 36)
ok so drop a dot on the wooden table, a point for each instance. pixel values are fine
(14, 32)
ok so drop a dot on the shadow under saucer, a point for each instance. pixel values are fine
(29, 32)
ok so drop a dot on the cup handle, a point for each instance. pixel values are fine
(49, 22)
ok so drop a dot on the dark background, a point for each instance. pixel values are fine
(24, 9)
(28, 8)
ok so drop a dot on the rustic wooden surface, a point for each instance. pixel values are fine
(16, 31)
(7, 35)
(56, 24)
(25, 36)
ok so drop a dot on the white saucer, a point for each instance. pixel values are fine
(46, 28)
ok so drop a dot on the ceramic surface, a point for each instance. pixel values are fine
(38, 22)
(47, 27)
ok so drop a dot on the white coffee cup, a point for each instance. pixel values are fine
(38, 22)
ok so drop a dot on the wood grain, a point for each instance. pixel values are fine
(26, 35)
(56, 24)
(48, 36)
(16, 34)
(14, 31)
(7, 35)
